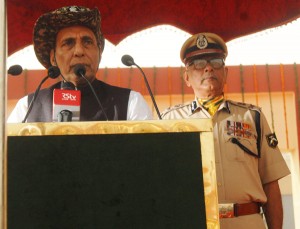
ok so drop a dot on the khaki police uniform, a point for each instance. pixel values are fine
(242, 165)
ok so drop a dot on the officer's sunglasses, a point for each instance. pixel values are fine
(199, 64)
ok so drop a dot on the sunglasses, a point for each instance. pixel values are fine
(216, 63)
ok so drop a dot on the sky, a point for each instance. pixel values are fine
(160, 46)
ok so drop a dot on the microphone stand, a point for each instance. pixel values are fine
(34, 98)
(53, 72)
(149, 89)
(80, 71)
(98, 101)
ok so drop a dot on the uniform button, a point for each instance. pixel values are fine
(219, 184)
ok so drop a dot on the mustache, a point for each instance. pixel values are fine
(74, 65)
(209, 77)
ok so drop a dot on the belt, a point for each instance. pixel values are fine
(231, 210)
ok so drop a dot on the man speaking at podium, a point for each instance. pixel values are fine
(71, 39)
(248, 161)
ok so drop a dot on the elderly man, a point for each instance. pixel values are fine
(248, 161)
(67, 38)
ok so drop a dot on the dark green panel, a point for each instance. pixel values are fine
(134, 181)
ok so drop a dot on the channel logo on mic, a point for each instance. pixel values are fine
(66, 100)
(67, 96)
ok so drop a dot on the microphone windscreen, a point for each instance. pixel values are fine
(127, 60)
(53, 72)
(15, 70)
(79, 70)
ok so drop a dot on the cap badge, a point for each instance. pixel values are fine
(202, 42)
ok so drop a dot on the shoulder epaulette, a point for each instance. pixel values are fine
(245, 105)
(175, 107)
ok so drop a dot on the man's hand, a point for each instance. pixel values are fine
(273, 208)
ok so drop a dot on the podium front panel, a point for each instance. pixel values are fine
(142, 178)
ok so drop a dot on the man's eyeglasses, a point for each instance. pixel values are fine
(201, 63)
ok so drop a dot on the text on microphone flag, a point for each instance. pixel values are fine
(67, 97)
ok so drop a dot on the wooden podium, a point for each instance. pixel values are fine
(121, 174)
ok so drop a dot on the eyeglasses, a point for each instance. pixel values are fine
(201, 63)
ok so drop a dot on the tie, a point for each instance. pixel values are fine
(211, 105)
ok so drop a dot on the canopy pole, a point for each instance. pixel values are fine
(3, 75)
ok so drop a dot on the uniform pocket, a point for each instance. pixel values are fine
(238, 149)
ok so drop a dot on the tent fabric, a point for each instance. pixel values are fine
(121, 18)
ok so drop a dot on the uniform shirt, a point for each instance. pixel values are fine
(137, 109)
(240, 176)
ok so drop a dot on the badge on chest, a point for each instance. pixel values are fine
(238, 129)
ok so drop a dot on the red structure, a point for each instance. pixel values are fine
(121, 18)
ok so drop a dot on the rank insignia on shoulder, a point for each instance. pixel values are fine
(272, 140)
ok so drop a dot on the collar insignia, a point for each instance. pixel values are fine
(194, 106)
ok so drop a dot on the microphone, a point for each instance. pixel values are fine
(128, 61)
(15, 70)
(66, 103)
(80, 71)
(67, 85)
(53, 72)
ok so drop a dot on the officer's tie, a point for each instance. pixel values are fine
(211, 105)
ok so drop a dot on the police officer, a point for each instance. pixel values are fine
(248, 161)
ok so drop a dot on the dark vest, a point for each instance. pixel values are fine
(113, 99)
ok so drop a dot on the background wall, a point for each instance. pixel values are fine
(275, 88)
